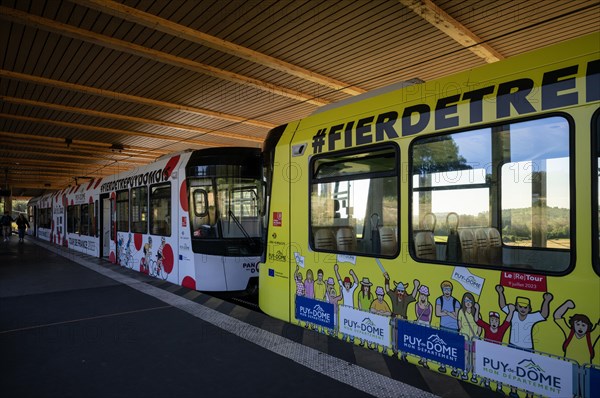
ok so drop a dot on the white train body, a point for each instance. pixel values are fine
(193, 218)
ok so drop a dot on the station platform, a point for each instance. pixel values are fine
(73, 325)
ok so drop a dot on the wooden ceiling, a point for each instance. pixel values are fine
(92, 87)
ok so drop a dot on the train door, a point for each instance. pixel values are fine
(32, 213)
(61, 222)
(240, 205)
(105, 225)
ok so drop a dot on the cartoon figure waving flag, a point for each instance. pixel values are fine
(469, 281)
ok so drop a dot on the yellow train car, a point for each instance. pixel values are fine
(453, 224)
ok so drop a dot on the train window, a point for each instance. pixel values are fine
(200, 197)
(139, 210)
(494, 196)
(74, 219)
(45, 218)
(160, 209)
(240, 202)
(94, 215)
(354, 202)
(70, 214)
(204, 219)
(122, 211)
(85, 220)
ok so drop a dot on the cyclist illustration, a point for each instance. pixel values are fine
(154, 267)
(120, 249)
(159, 256)
(147, 253)
(125, 252)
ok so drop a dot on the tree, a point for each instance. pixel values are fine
(438, 154)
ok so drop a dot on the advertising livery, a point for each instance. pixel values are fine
(193, 218)
(450, 223)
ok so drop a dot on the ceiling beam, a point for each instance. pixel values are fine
(183, 32)
(75, 166)
(15, 180)
(52, 154)
(41, 185)
(13, 15)
(77, 149)
(57, 178)
(451, 27)
(35, 168)
(133, 119)
(18, 176)
(83, 143)
(132, 98)
(36, 171)
(111, 130)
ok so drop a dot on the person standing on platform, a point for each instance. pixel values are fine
(22, 225)
(6, 222)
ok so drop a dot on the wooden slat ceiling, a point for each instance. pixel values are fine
(92, 87)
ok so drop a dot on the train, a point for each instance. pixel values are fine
(452, 224)
(193, 218)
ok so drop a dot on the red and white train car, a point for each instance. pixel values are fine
(193, 218)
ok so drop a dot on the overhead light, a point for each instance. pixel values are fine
(116, 147)
(77, 178)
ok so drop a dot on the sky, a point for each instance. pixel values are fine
(527, 156)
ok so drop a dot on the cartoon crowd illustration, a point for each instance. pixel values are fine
(510, 322)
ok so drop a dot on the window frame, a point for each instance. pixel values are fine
(151, 221)
(73, 214)
(119, 202)
(229, 200)
(204, 203)
(595, 156)
(138, 215)
(572, 203)
(393, 173)
(84, 217)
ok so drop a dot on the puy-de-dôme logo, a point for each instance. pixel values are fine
(278, 256)
(526, 371)
(366, 326)
(529, 370)
(316, 313)
(468, 279)
(434, 344)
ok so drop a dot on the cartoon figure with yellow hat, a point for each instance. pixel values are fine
(523, 320)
